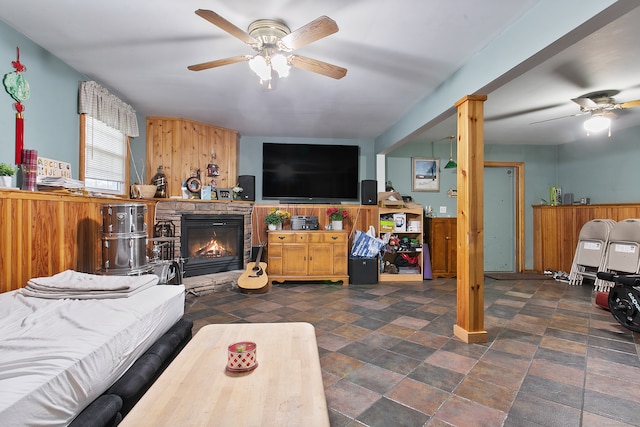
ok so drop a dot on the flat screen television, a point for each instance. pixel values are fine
(310, 173)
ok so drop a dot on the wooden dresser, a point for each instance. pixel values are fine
(307, 255)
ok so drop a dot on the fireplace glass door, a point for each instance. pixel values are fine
(211, 243)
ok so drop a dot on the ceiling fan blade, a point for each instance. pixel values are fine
(558, 118)
(630, 104)
(315, 30)
(585, 103)
(227, 26)
(218, 63)
(316, 66)
(520, 113)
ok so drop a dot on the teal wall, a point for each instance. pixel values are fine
(250, 162)
(51, 121)
(540, 172)
(51, 113)
(605, 169)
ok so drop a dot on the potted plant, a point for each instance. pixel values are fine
(336, 216)
(275, 218)
(272, 219)
(6, 172)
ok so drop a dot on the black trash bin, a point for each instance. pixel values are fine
(363, 271)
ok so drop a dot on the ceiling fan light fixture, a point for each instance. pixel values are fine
(259, 66)
(280, 63)
(597, 123)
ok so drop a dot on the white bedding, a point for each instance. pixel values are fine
(74, 284)
(57, 356)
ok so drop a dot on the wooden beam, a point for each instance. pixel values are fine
(470, 218)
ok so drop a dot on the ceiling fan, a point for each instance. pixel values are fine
(273, 42)
(601, 106)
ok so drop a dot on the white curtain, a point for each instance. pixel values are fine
(98, 103)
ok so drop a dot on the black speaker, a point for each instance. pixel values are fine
(369, 192)
(248, 185)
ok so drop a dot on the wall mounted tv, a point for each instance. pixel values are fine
(310, 173)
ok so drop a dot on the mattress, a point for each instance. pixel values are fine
(57, 356)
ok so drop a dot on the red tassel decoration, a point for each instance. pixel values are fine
(19, 135)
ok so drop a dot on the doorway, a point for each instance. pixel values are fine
(504, 216)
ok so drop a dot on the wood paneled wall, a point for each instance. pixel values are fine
(182, 146)
(556, 230)
(359, 218)
(42, 234)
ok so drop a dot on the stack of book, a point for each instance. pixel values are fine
(58, 182)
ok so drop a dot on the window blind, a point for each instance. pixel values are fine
(105, 156)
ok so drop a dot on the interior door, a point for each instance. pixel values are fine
(499, 219)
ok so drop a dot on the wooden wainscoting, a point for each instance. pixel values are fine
(42, 234)
(556, 230)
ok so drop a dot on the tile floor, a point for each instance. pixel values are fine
(389, 357)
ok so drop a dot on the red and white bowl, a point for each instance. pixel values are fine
(242, 357)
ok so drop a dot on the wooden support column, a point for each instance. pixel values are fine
(470, 218)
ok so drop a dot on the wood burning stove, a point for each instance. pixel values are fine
(211, 243)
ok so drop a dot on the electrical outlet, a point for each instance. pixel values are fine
(443, 209)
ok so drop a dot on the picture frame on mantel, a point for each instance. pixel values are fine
(425, 174)
(224, 193)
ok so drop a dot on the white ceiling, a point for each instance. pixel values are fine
(396, 52)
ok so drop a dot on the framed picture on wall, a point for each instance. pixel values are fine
(425, 174)
(224, 193)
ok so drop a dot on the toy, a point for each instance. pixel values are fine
(390, 268)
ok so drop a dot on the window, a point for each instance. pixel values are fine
(106, 124)
(105, 156)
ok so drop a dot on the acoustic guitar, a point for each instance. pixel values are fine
(254, 280)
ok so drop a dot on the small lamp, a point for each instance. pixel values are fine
(451, 164)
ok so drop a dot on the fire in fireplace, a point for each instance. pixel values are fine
(212, 249)
(211, 243)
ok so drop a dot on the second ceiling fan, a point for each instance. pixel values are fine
(273, 42)
(598, 104)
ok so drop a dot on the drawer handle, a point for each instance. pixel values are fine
(334, 237)
(281, 237)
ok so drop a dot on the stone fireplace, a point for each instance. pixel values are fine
(215, 236)
(211, 243)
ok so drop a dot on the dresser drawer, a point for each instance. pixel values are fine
(277, 237)
(327, 237)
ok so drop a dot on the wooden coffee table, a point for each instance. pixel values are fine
(285, 389)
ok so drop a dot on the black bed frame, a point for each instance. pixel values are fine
(109, 408)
